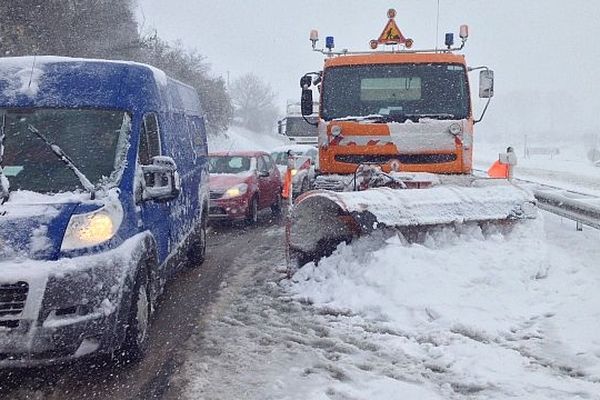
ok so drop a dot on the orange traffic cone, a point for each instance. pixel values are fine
(498, 170)
(287, 184)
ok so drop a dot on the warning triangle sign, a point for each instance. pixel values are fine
(391, 34)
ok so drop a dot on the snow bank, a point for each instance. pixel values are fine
(497, 315)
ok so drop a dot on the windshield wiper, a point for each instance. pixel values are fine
(85, 182)
(4, 183)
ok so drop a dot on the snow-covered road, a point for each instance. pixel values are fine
(462, 315)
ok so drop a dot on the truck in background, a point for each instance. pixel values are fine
(299, 129)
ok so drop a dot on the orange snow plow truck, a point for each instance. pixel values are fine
(391, 121)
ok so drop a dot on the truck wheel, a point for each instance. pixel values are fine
(252, 217)
(138, 325)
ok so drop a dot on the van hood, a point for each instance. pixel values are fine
(33, 225)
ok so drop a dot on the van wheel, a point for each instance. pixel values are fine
(135, 344)
(253, 211)
(197, 249)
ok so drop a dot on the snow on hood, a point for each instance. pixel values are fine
(225, 181)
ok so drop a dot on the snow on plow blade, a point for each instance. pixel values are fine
(322, 219)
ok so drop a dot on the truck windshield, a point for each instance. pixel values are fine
(297, 126)
(95, 140)
(428, 90)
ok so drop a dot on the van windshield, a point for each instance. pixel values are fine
(95, 140)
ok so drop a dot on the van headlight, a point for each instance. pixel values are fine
(236, 191)
(91, 229)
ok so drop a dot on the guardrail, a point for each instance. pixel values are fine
(578, 207)
(582, 208)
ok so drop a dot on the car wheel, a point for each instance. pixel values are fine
(252, 217)
(197, 249)
(305, 186)
(138, 324)
(276, 207)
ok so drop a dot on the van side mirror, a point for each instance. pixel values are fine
(161, 179)
(486, 84)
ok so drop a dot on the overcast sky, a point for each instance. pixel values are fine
(536, 47)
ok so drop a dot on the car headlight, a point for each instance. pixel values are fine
(236, 191)
(94, 228)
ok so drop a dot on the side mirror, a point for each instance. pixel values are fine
(263, 174)
(486, 84)
(306, 102)
(161, 179)
(280, 127)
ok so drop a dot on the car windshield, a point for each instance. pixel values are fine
(95, 140)
(229, 164)
(297, 126)
(433, 90)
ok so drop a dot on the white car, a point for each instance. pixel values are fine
(306, 161)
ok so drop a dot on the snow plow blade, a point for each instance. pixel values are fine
(322, 219)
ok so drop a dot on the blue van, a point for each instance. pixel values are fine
(104, 195)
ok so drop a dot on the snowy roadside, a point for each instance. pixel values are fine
(459, 316)
(569, 170)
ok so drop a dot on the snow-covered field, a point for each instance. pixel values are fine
(463, 315)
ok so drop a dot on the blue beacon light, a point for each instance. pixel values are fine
(449, 39)
(329, 42)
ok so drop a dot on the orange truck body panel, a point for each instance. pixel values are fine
(455, 159)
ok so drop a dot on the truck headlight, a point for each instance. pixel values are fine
(91, 229)
(236, 191)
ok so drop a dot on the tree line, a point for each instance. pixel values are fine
(106, 29)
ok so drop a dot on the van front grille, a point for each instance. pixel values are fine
(12, 298)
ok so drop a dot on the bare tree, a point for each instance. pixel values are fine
(253, 103)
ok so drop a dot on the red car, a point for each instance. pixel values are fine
(241, 184)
